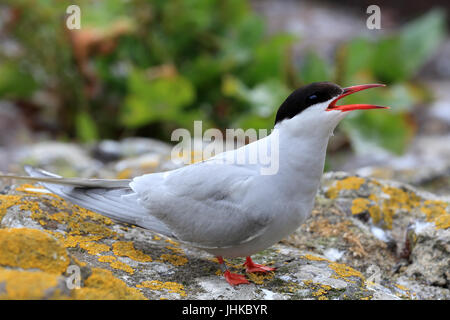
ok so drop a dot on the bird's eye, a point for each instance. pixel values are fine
(312, 97)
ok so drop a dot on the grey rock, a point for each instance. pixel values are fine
(334, 255)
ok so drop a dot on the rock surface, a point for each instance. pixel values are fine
(366, 239)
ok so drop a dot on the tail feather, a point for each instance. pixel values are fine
(39, 175)
(110, 197)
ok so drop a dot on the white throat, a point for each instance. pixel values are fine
(303, 142)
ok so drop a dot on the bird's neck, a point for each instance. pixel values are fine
(302, 153)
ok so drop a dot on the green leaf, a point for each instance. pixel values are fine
(85, 127)
(354, 59)
(399, 57)
(14, 83)
(158, 99)
(270, 60)
(421, 38)
(263, 99)
(315, 69)
(372, 131)
(254, 122)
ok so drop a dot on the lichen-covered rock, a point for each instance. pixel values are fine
(355, 246)
(394, 234)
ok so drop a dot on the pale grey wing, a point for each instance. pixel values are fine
(118, 202)
(206, 204)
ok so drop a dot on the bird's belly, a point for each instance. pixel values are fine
(280, 228)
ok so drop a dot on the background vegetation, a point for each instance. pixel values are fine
(143, 67)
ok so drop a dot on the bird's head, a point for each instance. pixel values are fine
(314, 106)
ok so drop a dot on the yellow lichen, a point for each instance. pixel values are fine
(319, 292)
(350, 183)
(375, 214)
(126, 249)
(326, 287)
(6, 202)
(72, 241)
(79, 221)
(345, 271)
(384, 208)
(102, 285)
(437, 212)
(25, 188)
(125, 174)
(93, 248)
(259, 278)
(360, 205)
(20, 285)
(442, 222)
(107, 258)
(159, 285)
(174, 259)
(115, 264)
(314, 258)
(174, 243)
(401, 287)
(121, 266)
(29, 248)
(175, 249)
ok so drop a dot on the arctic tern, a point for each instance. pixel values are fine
(224, 208)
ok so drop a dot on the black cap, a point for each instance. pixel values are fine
(305, 97)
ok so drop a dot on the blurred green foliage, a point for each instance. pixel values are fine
(393, 60)
(146, 67)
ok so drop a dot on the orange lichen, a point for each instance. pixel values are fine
(159, 285)
(8, 201)
(27, 285)
(29, 188)
(314, 258)
(93, 248)
(72, 241)
(121, 266)
(401, 287)
(125, 174)
(360, 205)
(259, 278)
(107, 258)
(126, 249)
(115, 264)
(174, 259)
(175, 249)
(102, 285)
(29, 248)
(442, 222)
(345, 271)
(318, 290)
(375, 214)
(437, 212)
(174, 243)
(350, 183)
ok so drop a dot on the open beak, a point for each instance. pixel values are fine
(351, 107)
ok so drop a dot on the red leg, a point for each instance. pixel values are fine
(233, 278)
(254, 267)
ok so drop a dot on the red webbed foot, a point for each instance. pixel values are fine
(234, 278)
(254, 267)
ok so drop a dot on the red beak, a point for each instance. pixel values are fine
(351, 107)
